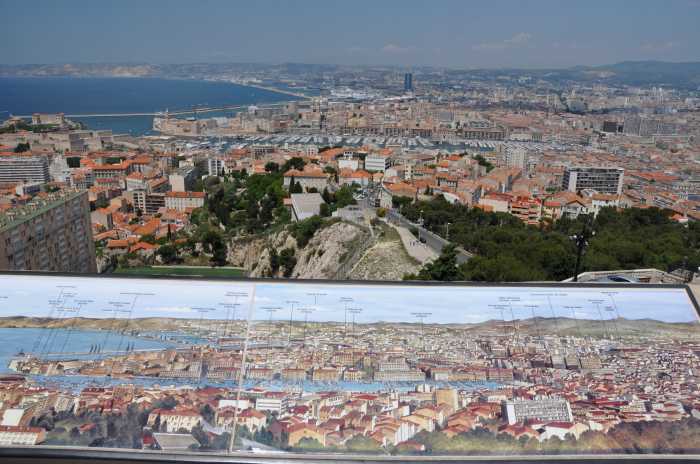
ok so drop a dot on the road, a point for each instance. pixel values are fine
(417, 250)
(433, 241)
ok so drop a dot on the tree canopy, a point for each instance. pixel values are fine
(509, 250)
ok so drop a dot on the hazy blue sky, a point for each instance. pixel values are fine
(30, 296)
(454, 33)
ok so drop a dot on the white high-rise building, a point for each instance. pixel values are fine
(215, 166)
(602, 180)
(24, 168)
(516, 157)
(546, 409)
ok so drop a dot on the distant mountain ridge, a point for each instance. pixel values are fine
(636, 73)
(539, 325)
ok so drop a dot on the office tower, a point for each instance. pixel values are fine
(408, 82)
(602, 180)
(49, 234)
(23, 168)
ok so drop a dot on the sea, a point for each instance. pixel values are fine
(16, 340)
(74, 96)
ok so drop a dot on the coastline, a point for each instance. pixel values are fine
(127, 104)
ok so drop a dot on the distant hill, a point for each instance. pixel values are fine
(596, 328)
(149, 323)
(541, 325)
(685, 75)
(646, 73)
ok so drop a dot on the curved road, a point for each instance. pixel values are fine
(433, 241)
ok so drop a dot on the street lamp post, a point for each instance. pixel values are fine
(420, 224)
(581, 241)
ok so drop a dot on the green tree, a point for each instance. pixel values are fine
(274, 261)
(294, 163)
(360, 443)
(101, 202)
(482, 162)
(295, 187)
(73, 162)
(167, 253)
(443, 268)
(148, 238)
(344, 197)
(399, 202)
(287, 261)
(302, 231)
(165, 403)
(219, 255)
(22, 147)
(332, 171)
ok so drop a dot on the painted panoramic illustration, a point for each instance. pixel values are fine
(276, 366)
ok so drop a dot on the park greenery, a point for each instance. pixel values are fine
(483, 162)
(22, 125)
(506, 249)
(239, 205)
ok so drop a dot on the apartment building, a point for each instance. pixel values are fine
(181, 201)
(274, 405)
(176, 419)
(148, 203)
(516, 157)
(546, 409)
(215, 166)
(309, 177)
(377, 162)
(49, 234)
(23, 168)
(602, 180)
(183, 180)
(14, 435)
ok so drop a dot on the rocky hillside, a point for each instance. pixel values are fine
(147, 323)
(386, 259)
(329, 254)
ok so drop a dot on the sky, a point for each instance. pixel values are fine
(100, 297)
(449, 33)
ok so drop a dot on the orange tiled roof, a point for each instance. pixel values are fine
(185, 194)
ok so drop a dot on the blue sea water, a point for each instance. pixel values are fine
(76, 341)
(15, 340)
(75, 96)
